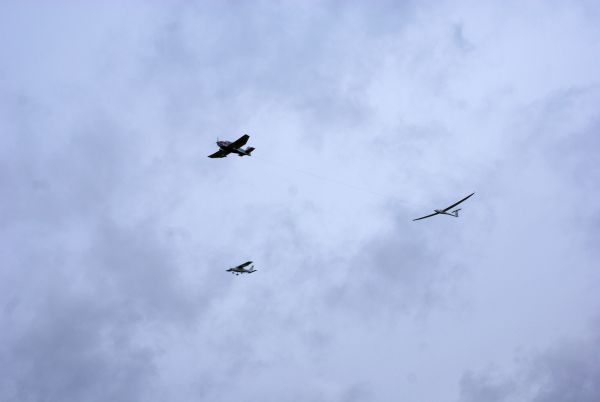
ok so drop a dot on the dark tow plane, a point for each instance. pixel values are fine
(445, 211)
(241, 269)
(227, 147)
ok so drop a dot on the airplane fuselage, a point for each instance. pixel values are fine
(226, 146)
(242, 271)
(238, 270)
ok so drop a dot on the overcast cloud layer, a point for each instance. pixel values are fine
(115, 229)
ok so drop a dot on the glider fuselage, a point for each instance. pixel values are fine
(441, 211)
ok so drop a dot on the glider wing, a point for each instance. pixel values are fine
(456, 203)
(426, 216)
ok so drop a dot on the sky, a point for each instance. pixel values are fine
(116, 229)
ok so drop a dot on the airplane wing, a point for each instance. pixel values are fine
(456, 203)
(244, 264)
(219, 154)
(426, 216)
(240, 142)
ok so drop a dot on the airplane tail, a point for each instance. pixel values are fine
(249, 150)
(455, 212)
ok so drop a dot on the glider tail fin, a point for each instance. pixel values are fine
(455, 212)
(249, 150)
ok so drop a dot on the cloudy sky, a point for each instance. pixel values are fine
(116, 229)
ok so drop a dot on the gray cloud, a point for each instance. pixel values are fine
(78, 287)
(568, 372)
(484, 387)
(565, 372)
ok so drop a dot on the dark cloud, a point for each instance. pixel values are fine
(73, 347)
(484, 387)
(395, 273)
(80, 290)
(566, 372)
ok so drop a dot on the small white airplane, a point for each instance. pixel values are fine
(241, 269)
(445, 211)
